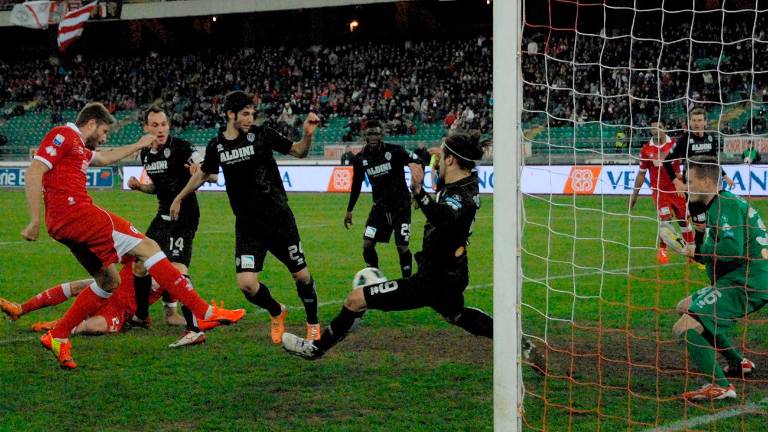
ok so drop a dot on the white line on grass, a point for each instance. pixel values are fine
(747, 408)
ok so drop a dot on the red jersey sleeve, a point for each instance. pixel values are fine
(55, 145)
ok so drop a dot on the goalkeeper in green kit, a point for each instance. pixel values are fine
(735, 252)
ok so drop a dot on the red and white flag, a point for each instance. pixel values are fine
(72, 23)
(32, 14)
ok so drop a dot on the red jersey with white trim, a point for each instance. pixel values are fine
(652, 158)
(65, 154)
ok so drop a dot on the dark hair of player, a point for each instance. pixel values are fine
(705, 167)
(236, 101)
(96, 111)
(465, 147)
(699, 111)
(153, 109)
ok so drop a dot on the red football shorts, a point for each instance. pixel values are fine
(670, 206)
(95, 236)
(114, 315)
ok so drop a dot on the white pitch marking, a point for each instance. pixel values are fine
(747, 408)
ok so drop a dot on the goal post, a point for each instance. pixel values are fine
(507, 280)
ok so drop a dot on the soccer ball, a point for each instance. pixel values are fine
(672, 238)
(368, 276)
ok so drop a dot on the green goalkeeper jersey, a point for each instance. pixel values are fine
(735, 247)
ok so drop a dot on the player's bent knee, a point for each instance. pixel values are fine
(685, 323)
(683, 305)
(139, 270)
(77, 287)
(401, 249)
(248, 283)
(302, 276)
(96, 325)
(355, 301)
(146, 248)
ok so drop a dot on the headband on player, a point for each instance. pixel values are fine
(445, 145)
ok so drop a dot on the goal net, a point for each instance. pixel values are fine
(596, 298)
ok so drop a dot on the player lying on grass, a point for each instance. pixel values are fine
(734, 250)
(443, 272)
(110, 318)
(669, 204)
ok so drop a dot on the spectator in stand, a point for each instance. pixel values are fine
(347, 156)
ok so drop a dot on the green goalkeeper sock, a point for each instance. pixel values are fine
(702, 353)
(724, 347)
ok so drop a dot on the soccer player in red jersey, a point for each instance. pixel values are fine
(96, 237)
(670, 205)
(110, 318)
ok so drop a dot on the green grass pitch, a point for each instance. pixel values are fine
(592, 290)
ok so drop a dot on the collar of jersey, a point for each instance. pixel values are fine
(669, 140)
(74, 128)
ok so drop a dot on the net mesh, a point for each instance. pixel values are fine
(596, 301)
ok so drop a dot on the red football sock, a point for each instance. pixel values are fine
(50, 297)
(85, 305)
(688, 236)
(170, 279)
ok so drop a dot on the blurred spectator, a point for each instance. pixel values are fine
(347, 156)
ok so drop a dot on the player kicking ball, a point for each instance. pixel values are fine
(443, 272)
(96, 237)
(670, 205)
(734, 250)
(110, 318)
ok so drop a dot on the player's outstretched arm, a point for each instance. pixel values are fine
(34, 189)
(108, 157)
(195, 181)
(636, 189)
(300, 149)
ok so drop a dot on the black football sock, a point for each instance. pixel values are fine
(142, 285)
(308, 296)
(189, 317)
(167, 296)
(475, 321)
(264, 300)
(406, 262)
(338, 329)
(370, 256)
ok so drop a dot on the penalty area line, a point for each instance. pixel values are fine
(747, 408)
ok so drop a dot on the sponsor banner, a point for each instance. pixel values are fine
(620, 179)
(304, 178)
(95, 177)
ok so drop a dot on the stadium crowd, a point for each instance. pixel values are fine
(612, 76)
(399, 84)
